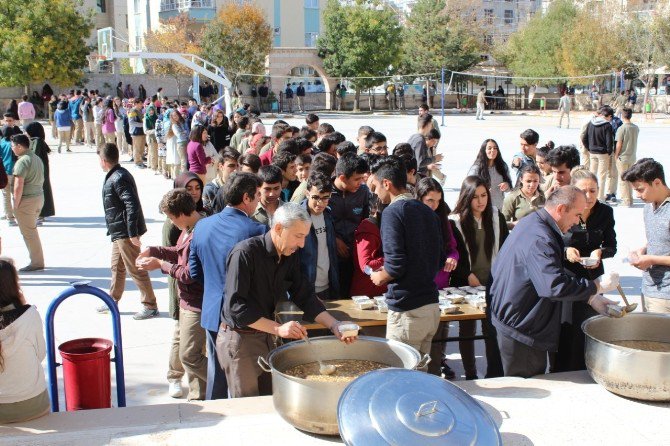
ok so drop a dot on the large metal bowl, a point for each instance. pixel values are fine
(629, 372)
(312, 405)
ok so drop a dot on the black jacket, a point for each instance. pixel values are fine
(123, 211)
(219, 135)
(599, 234)
(529, 282)
(599, 137)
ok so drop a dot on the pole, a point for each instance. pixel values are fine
(442, 73)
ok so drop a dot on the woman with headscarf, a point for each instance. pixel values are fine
(198, 119)
(119, 90)
(193, 184)
(150, 118)
(38, 145)
(257, 136)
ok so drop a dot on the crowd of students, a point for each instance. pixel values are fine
(345, 218)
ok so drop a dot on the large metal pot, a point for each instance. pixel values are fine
(629, 372)
(312, 406)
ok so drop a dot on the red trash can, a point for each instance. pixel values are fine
(86, 373)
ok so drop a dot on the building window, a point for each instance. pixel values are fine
(312, 4)
(488, 16)
(137, 6)
(509, 16)
(310, 39)
(101, 5)
(488, 40)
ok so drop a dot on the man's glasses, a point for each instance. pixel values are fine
(320, 199)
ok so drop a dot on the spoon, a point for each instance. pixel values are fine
(324, 369)
(628, 308)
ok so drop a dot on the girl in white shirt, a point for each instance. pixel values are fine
(23, 392)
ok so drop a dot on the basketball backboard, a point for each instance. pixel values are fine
(106, 42)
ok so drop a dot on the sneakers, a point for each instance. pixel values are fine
(30, 268)
(12, 222)
(146, 313)
(103, 309)
(175, 390)
(141, 166)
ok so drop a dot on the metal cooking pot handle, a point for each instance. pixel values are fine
(262, 363)
(423, 362)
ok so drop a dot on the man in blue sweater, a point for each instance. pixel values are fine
(213, 239)
(412, 257)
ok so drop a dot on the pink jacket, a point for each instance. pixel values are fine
(197, 160)
(26, 110)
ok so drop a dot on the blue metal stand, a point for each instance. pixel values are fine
(83, 288)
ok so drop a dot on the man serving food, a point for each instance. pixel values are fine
(260, 272)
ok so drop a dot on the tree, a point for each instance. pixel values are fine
(536, 50)
(648, 45)
(436, 36)
(433, 38)
(175, 35)
(42, 40)
(238, 40)
(587, 46)
(361, 41)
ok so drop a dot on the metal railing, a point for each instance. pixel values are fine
(180, 5)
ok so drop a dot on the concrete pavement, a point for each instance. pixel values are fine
(76, 246)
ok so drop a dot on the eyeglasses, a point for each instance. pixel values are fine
(320, 199)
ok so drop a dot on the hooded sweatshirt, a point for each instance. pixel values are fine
(23, 349)
(599, 137)
(175, 252)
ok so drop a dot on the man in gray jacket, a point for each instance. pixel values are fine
(529, 282)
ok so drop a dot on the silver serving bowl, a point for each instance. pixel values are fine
(312, 405)
(629, 372)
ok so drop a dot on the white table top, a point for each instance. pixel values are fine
(558, 409)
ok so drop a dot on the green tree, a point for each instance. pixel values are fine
(587, 46)
(42, 40)
(238, 40)
(361, 40)
(536, 50)
(647, 45)
(432, 39)
(175, 35)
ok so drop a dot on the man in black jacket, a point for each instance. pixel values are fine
(529, 282)
(125, 225)
(599, 141)
(300, 92)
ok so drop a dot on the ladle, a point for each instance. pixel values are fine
(629, 308)
(324, 369)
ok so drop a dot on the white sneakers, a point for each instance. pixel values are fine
(175, 389)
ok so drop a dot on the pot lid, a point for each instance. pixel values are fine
(405, 407)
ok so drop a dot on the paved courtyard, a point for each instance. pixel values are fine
(76, 247)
